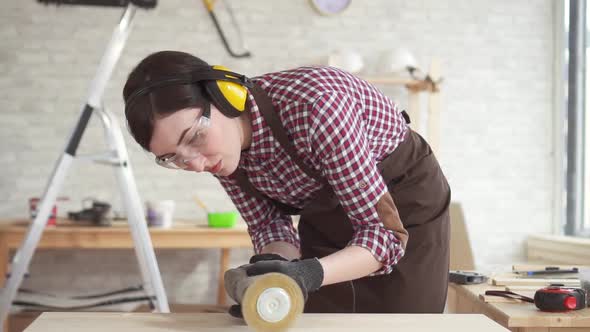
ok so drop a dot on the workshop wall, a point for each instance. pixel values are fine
(496, 145)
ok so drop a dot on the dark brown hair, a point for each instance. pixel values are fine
(141, 112)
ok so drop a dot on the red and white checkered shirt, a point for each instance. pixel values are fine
(340, 126)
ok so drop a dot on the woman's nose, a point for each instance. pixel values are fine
(195, 164)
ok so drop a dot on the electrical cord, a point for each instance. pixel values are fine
(86, 306)
(82, 297)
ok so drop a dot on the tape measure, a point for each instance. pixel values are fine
(558, 298)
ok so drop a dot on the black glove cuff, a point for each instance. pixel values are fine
(266, 257)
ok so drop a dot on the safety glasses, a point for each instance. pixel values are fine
(190, 146)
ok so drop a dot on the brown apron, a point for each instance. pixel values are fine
(418, 283)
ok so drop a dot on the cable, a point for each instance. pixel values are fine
(86, 306)
(81, 297)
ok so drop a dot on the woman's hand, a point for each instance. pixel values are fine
(308, 273)
(236, 281)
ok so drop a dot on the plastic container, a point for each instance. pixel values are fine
(160, 213)
(222, 219)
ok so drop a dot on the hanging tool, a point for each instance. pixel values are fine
(209, 4)
(270, 302)
(146, 4)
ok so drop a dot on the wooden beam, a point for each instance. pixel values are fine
(433, 117)
(223, 266)
(558, 249)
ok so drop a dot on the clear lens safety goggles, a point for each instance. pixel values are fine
(190, 146)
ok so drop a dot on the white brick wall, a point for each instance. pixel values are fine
(496, 124)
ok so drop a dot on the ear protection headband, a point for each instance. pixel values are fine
(226, 89)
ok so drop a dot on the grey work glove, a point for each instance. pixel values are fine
(308, 273)
(236, 281)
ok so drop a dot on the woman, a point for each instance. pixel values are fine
(316, 142)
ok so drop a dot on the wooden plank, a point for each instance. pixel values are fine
(433, 118)
(497, 299)
(139, 322)
(414, 111)
(558, 249)
(462, 302)
(536, 267)
(519, 281)
(391, 80)
(461, 251)
(522, 289)
(451, 305)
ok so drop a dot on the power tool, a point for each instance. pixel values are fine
(270, 302)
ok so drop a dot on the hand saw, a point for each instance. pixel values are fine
(209, 4)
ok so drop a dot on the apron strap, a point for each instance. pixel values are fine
(272, 119)
(242, 179)
(406, 117)
(269, 114)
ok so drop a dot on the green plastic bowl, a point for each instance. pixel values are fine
(222, 219)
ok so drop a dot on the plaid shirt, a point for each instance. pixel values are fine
(339, 125)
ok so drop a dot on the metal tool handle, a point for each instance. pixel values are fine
(209, 5)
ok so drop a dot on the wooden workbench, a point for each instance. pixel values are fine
(135, 322)
(518, 317)
(118, 236)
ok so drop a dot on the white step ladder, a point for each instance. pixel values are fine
(117, 158)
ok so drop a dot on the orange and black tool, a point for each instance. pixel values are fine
(558, 298)
(209, 4)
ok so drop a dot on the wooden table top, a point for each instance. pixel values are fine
(521, 314)
(63, 225)
(182, 235)
(185, 322)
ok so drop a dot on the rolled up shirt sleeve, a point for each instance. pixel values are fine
(339, 144)
(266, 223)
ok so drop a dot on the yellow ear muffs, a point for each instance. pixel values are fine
(229, 97)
